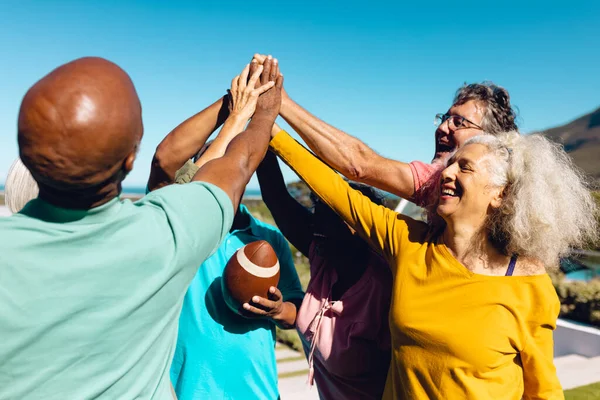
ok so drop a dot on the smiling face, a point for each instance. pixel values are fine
(466, 192)
(448, 139)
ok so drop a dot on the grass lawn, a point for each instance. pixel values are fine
(589, 392)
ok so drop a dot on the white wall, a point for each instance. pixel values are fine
(576, 338)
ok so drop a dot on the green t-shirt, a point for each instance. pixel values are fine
(89, 300)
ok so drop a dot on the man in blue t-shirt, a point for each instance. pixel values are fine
(220, 354)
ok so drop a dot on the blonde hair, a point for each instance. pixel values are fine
(20, 187)
(547, 208)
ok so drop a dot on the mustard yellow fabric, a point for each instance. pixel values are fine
(455, 334)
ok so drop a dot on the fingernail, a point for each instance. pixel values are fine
(269, 57)
(254, 61)
(275, 61)
(246, 306)
(272, 290)
(255, 299)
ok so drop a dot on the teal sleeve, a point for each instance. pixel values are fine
(196, 216)
(289, 283)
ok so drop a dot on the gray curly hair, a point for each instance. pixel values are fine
(499, 115)
(547, 207)
(20, 187)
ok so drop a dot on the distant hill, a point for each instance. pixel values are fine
(581, 139)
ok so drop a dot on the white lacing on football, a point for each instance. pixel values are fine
(254, 269)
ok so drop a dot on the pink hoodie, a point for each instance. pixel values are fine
(347, 341)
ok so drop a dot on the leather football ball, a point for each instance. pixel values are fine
(250, 272)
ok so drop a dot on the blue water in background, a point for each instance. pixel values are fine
(582, 275)
(249, 193)
(141, 190)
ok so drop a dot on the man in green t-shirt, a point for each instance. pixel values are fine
(91, 286)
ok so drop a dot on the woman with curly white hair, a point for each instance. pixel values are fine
(473, 309)
(20, 187)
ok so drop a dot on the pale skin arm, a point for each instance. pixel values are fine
(347, 154)
(243, 98)
(232, 172)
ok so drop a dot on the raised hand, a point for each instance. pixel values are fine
(244, 94)
(260, 59)
(268, 103)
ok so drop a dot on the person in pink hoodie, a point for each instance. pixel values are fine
(343, 320)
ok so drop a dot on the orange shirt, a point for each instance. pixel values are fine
(455, 334)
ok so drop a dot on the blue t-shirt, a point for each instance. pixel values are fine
(220, 355)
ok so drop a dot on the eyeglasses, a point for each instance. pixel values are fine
(454, 121)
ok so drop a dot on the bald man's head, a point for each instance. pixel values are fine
(80, 127)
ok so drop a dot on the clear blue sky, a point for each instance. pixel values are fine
(379, 71)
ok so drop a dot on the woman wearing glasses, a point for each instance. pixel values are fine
(343, 320)
(472, 309)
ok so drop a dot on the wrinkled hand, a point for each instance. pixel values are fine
(244, 94)
(270, 308)
(268, 103)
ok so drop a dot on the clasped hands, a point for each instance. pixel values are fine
(256, 91)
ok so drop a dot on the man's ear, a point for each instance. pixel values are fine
(128, 163)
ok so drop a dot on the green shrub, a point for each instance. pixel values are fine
(596, 246)
(580, 301)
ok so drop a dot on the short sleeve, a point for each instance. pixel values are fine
(423, 177)
(197, 216)
(186, 173)
(539, 373)
(289, 283)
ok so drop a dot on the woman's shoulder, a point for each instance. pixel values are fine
(536, 291)
(527, 266)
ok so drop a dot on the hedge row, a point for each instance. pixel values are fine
(580, 301)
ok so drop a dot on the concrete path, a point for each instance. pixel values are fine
(293, 372)
(575, 370)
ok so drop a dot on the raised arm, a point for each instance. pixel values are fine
(380, 226)
(183, 141)
(292, 219)
(347, 154)
(242, 104)
(233, 171)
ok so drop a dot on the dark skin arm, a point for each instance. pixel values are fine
(294, 221)
(282, 313)
(232, 172)
(183, 142)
